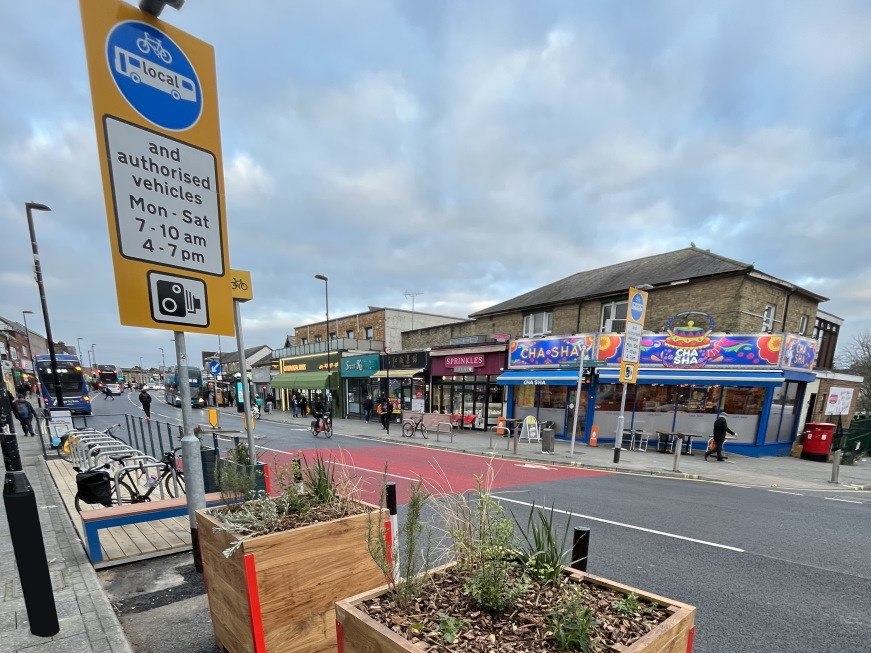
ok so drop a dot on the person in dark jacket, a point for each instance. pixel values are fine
(24, 412)
(721, 428)
(367, 408)
(145, 400)
(386, 412)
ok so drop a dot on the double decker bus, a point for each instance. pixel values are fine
(73, 386)
(106, 375)
(171, 394)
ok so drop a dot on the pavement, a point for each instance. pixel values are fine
(89, 623)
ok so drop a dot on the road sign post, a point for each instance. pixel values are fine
(636, 310)
(240, 287)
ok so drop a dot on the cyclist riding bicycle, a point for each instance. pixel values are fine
(318, 410)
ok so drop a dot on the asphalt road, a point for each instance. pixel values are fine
(768, 571)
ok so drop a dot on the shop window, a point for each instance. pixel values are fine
(368, 333)
(743, 401)
(553, 396)
(537, 324)
(524, 396)
(768, 317)
(608, 397)
(802, 324)
(613, 317)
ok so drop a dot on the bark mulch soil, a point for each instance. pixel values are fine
(523, 629)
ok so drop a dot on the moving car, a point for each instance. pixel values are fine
(112, 389)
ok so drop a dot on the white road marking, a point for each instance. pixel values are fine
(842, 500)
(630, 526)
(798, 494)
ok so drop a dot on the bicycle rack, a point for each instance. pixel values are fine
(438, 428)
(114, 452)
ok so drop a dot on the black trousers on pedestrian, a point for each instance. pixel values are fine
(385, 417)
(27, 426)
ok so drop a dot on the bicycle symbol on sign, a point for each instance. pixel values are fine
(148, 43)
(238, 284)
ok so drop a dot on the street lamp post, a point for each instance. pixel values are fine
(162, 361)
(37, 268)
(326, 281)
(79, 348)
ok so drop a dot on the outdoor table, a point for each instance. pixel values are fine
(687, 443)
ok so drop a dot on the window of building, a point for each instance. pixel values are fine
(333, 335)
(305, 341)
(768, 317)
(537, 324)
(368, 332)
(349, 333)
(318, 339)
(802, 325)
(613, 317)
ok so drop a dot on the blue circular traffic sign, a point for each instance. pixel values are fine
(636, 306)
(154, 75)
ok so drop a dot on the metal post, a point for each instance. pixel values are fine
(578, 394)
(25, 531)
(678, 444)
(618, 441)
(392, 530)
(836, 454)
(246, 392)
(580, 548)
(37, 268)
(390, 414)
(193, 467)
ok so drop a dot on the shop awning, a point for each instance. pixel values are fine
(539, 377)
(397, 374)
(302, 380)
(767, 378)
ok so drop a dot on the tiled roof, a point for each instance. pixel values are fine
(689, 263)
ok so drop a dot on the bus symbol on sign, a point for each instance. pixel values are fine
(154, 75)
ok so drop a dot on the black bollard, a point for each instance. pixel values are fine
(580, 548)
(29, 548)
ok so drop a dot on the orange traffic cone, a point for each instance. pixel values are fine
(594, 436)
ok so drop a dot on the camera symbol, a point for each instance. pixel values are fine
(174, 300)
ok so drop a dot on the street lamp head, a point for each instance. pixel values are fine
(36, 206)
(27, 312)
(321, 277)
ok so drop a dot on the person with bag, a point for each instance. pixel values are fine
(24, 412)
(721, 428)
(145, 400)
(386, 411)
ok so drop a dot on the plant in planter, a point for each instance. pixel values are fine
(232, 470)
(275, 565)
(499, 596)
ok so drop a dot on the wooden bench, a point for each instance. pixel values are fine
(133, 513)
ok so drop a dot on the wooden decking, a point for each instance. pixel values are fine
(121, 544)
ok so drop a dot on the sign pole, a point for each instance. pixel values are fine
(190, 449)
(618, 440)
(578, 394)
(246, 392)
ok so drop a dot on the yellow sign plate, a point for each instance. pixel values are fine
(156, 113)
(240, 285)
(628, 372)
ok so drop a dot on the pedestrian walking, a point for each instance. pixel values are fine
(367, 408)
(24, 412)
(721, 428)
(386, 411)
(294, 406)
(145, 400)
(107, 393)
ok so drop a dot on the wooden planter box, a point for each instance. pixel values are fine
(359, 633)
(278, 591)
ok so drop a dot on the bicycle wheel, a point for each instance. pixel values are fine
(423, 432)
(314, 431)
(408, 429)
(170, 486)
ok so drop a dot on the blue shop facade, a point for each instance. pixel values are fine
(686, 378)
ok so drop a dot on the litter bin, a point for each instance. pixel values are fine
(268, 406)
(817, 441)
(547, 433)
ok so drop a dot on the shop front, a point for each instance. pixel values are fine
(403, 379)
(464, 384)
(309, 376)
(686, 378)
(357, 383)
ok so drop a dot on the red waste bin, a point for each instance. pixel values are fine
(817, 441)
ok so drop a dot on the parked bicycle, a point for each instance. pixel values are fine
(322, 425)
(98, 485)
(411, 425)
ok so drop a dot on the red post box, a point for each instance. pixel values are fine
(817, 441)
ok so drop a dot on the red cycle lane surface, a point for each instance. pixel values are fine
(441, 471)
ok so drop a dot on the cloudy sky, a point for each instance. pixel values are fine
(469, 151)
